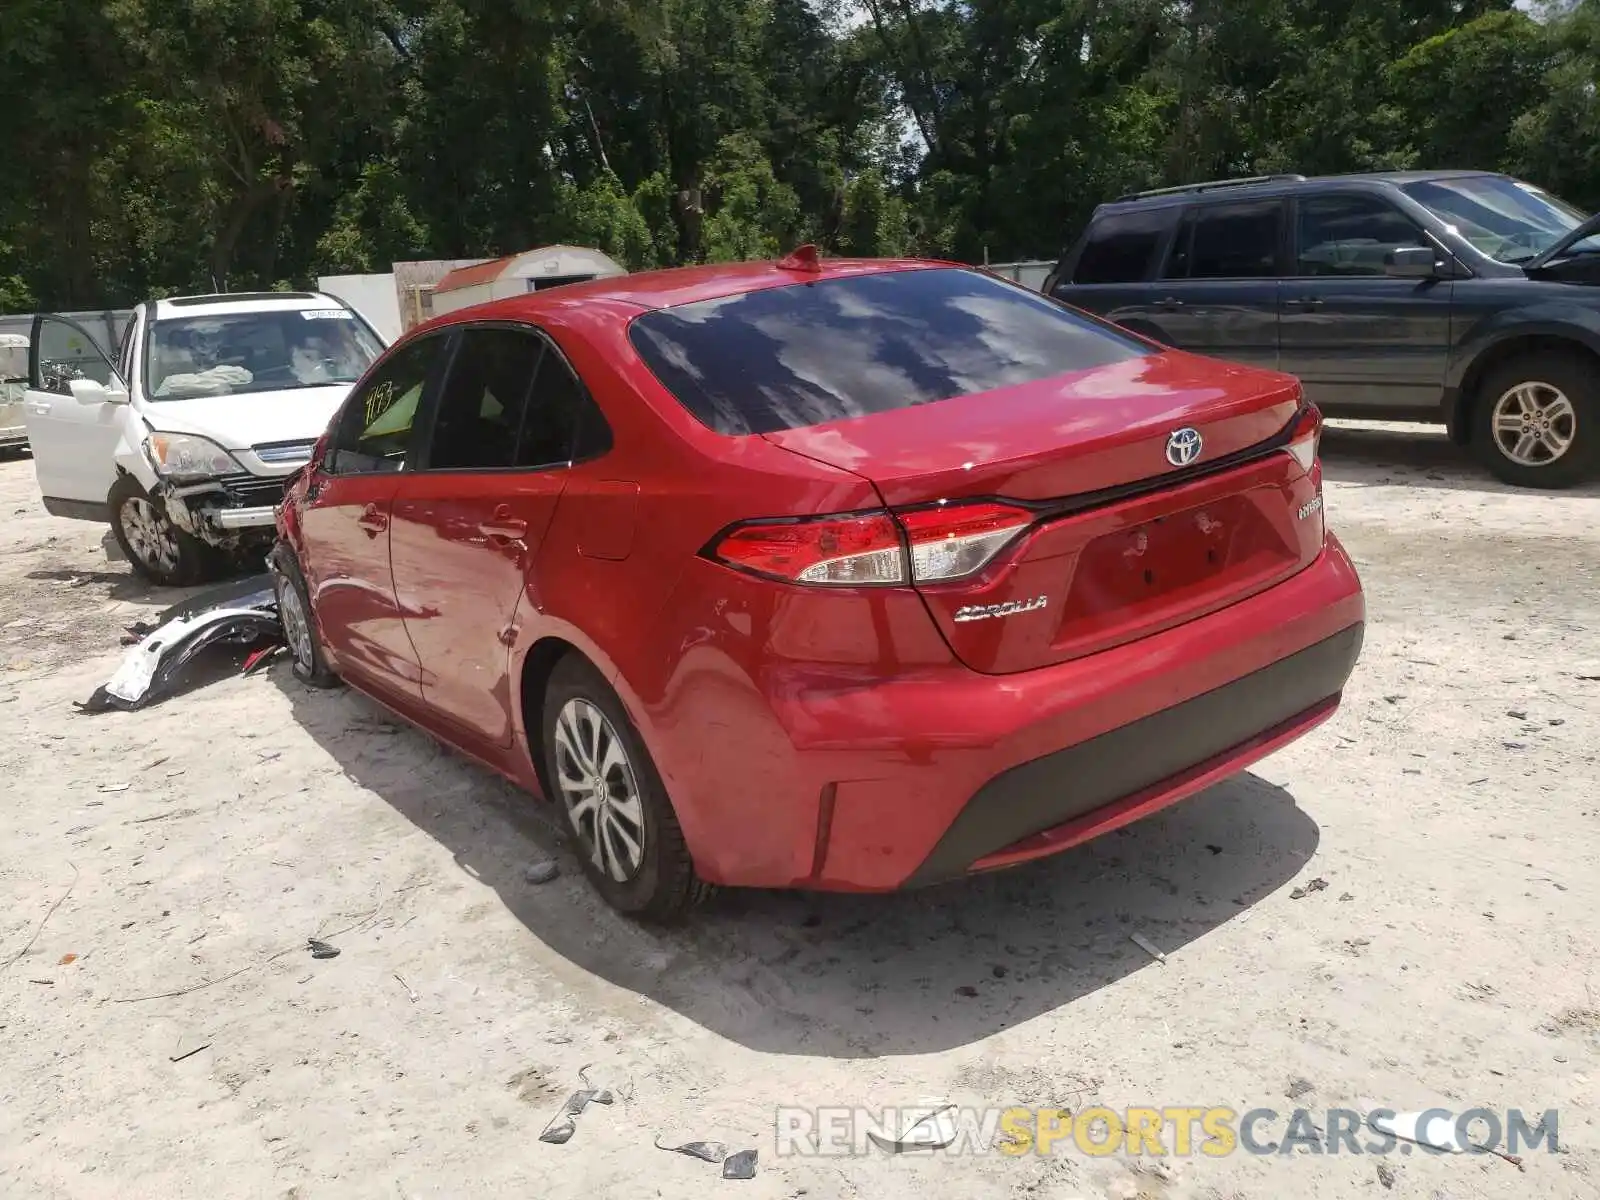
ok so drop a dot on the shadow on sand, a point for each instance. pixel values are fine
(1420, 456)
(845, 976)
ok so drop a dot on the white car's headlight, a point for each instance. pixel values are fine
(181, 456)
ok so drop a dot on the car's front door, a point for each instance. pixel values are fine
(345, 520)
(74, 440)
(467, 525)
(1355, 336)
(1218, 290)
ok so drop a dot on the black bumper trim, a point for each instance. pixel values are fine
(78, 510)
(1049, 791)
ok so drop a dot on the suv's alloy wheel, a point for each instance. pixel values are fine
(1534, 423)
(1536, 420)
(154, 546)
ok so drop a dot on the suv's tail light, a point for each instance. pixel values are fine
(1306, 436)
(928, 545)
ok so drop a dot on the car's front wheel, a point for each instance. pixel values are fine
(294, 614)
(1537, 421)
(602, 777)
(153, 545)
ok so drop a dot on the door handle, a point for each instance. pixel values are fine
(1308, 302)
(1170, 302)
(373, 521)
(505, 527)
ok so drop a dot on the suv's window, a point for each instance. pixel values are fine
(1236, 241)
(125, 351)
(1350, 235)
(1504, 218)
(374, 430)
(1120, 247)
(65, 351)
(277, 350)
(1177, 266)
(806, 353)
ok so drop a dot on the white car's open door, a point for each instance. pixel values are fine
(74, 409)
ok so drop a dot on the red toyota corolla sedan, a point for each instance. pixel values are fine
(852, 575)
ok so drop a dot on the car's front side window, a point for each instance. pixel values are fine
(375, 429)
(1350, 235)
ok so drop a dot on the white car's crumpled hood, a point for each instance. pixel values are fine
(252, 419)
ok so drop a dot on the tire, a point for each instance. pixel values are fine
(156, 548)
(585, 725)
(299, 627)
(1549, 398)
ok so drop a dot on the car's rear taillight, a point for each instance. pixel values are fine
(950, 541)
(852, 550)
(925, 545)
(1306, 436)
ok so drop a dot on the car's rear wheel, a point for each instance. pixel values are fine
(153, 545)
(294, 613)
(1536, 422)
(603, 778)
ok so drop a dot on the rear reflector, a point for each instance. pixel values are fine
(1307, 435)
(947, 541)
(954, 540)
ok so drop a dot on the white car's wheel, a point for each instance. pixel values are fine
(156, 548)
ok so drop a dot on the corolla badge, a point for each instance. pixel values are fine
(987, 612)
(1183, 446)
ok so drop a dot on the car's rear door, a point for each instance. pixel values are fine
(346, 518)
(468, 523)
(1217, 293)
(1355, 336)
(73, 443)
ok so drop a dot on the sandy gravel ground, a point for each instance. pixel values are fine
(1453, 808)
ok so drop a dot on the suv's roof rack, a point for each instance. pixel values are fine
(235, 298)
(1210, 185)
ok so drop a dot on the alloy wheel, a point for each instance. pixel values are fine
(599, 790)
(1534, 424)
(150, 535)
(296, 625)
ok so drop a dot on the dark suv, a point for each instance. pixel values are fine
(1455, 296)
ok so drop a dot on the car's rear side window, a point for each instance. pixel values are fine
(1120, 248)
(806, 353)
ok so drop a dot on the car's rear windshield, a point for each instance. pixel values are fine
(806, 353)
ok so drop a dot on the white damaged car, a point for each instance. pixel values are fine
(184, 443)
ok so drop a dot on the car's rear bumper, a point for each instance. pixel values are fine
(906, 780)
(1064, 798)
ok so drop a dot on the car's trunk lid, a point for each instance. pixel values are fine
(1127, 540)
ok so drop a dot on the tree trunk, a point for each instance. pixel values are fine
(245, 206)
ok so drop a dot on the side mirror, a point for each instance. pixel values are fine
(92, 391)
(1411, 262)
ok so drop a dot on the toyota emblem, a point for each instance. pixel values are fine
(1183, 446)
